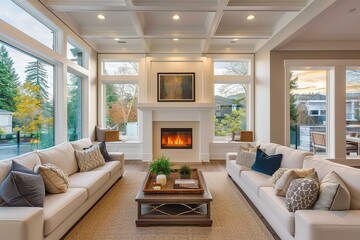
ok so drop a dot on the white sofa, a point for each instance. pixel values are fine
(303, 224)
(60, 211)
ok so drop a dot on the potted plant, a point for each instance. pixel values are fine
(185, 172)
(161, 167)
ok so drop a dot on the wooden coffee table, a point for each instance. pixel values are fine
(174, 209)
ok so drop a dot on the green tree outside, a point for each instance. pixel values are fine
(9, 81)
(36, 75)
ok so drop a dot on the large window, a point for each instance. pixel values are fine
(74, 107)
(26, 102)
(120, 107)
(22, 20)
(308, 109)
(232, 94)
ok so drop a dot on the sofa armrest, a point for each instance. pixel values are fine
(118, 156)
(22, 223)
(231, 156)
(329, 225)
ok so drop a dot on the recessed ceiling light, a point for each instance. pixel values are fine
(235, 39)
(176, 17)
(116, 39)
(100, 16)
(250, 17)
(176, 39)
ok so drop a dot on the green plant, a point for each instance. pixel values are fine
(185, 170)
(161, 165)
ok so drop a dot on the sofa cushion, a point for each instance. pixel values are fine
(255, 180)
(81, 144)
(334, 194)
(58, 207)
(89, 159)
(267, 164)
(112, 167)
(91, 181)
(277, 205)
(302, 193)
(292, 158)
(62, 156)
(22, 187)
(350, 176)
(269, 148)
(55, 180)
(245, 158)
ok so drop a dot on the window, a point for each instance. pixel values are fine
(125, 68)
(74, 107)
(22, 20)
(232, 67)
(26, 102)
(231, 111)
(120, 107)
(74, 54)
(307, 107)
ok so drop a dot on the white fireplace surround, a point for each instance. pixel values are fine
(179, 112)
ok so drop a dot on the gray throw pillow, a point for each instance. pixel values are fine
(245, 158)
(104, 151)
(302, 193)
(21, 189)
(100, 133)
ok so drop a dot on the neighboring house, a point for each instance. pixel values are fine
(6, 121)
(225, 106)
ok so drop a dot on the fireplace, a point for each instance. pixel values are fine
(176, 138)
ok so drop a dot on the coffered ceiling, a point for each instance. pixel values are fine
(205, 26)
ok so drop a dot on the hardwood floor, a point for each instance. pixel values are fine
(212, 166)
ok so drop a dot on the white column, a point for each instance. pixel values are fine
(205, 136)
(147, 135)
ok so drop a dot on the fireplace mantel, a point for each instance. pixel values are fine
(178, 112)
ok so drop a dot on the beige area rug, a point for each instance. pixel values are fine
(113, 217)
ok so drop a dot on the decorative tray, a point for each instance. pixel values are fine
(169, 187)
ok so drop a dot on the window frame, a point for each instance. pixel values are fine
(236, 79)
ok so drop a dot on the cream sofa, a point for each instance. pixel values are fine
(303, 224)
(60, 211)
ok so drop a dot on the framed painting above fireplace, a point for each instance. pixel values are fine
(176, 87)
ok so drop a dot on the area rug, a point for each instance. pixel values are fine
(113, 217)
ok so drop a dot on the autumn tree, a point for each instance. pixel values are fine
(8, 81)
(36, 75)
(29, 110)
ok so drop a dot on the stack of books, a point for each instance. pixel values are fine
(186, 184)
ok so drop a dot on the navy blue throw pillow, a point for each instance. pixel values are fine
(266, 164)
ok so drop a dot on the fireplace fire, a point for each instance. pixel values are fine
(176, 138)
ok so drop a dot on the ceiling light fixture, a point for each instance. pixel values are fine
(235, 39)
(250, 17)
(100, 16)
(116, 39)
(176, 39)
(176, 17)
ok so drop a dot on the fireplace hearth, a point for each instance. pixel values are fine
(176, 138)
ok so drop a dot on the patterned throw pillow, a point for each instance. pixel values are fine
(89, 159)
(277, 175)
(334, 195)
(302, 193)
(245, 158)
(283, 183)
(56, 181)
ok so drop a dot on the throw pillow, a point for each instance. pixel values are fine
(115, 127)
(89, 159)
(245, 158)
(266, 164)
(277, 175)
(334, 195)
(22, 188)
(283, 183)
(104, 151)
(56, 181)
(100, 133)
(248, 147)
(302, 193)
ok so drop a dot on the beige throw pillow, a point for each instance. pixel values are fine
(277, 175)
(55, 180)
(89, 159)
(245, 158)
(283, 183)
(334, 195)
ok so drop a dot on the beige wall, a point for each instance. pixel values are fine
(277, 128)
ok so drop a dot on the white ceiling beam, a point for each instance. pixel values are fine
(214, 25)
